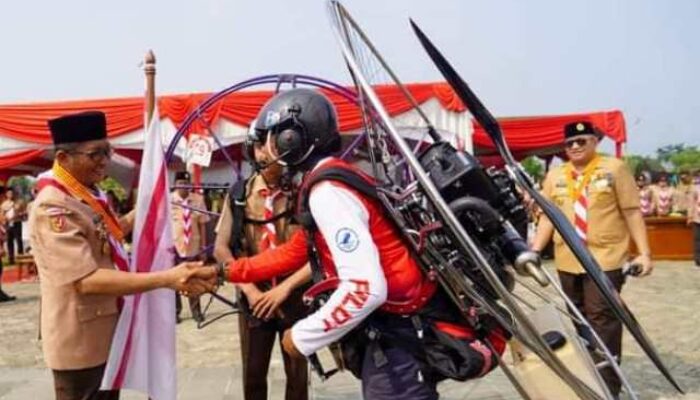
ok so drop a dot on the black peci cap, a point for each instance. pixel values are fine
(80, 127)
(182, 176)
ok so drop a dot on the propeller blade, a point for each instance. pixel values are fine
(558, 219)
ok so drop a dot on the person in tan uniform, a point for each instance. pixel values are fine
(599, 196)
(268, 308)
(665, 195)
(694, 216)
(77, 244)
(189, 232)
(682, 202)
(13, 212)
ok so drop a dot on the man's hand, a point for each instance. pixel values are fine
(644, 260)
(268, 303)
(288, 345)
(192, 278)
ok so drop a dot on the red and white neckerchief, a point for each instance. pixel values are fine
(581, 212)
(186, 221)
(665, 198)
(577, 184)
(268, 239)
(645, 202)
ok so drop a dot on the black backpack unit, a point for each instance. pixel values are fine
(442, 356)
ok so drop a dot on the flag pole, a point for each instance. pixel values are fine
(149, 69)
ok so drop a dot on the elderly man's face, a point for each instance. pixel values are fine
(88, 161)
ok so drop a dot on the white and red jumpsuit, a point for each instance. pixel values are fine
(358, 244)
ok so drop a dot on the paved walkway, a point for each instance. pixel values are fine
(209, 363)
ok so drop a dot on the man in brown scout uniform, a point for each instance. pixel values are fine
(77, 245)
(268, 308)
(599, 196)
(189, 231)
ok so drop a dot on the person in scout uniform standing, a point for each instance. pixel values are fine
(271, 307)
(694, 216)
(599, 196)
(77, 244)
(189, 231)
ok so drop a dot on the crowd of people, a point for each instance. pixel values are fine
(663, 197)
(348, 238)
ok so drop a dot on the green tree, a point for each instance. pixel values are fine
(637, 164)
(110, 184)
(534, 167)
(678, 157)
(688, 159)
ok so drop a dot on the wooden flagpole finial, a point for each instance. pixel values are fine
(149, 69)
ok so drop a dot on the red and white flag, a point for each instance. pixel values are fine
(142, 356)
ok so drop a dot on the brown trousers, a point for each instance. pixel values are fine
(81, 384)
(257, 340)
(585, 295)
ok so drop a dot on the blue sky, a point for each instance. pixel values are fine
(522, 57)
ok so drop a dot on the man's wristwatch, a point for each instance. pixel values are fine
(221, 269)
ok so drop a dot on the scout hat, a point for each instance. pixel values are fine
(182, 176)
(80, 127)
(581, 128)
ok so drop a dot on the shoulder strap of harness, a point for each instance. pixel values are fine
(339, 172)
(237, 201)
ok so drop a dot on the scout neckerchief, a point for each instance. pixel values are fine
(577, 185)
(665, 199)
(61, 178)
(645, 201)
(186, 223)
(79, 191)
(268, 239)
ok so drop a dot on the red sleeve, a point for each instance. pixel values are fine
(283, 259)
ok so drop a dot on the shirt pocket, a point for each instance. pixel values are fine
(560, 196)
(89, 312)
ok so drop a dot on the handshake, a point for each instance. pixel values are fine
(192, 278)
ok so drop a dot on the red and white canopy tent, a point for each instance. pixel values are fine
(25, 139)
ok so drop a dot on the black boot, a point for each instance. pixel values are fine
(6, 297)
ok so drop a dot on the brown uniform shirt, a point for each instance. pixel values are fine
(683, 198)
(611, 190)
(694, 208)
(255, 209)
(196, 242)
(76, 329)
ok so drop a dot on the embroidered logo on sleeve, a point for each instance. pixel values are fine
(346, 239)
(57, 218)
(57, 222)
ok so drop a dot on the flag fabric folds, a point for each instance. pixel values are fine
(142, 356)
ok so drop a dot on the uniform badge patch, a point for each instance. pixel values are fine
(57, 222)
(347, 240)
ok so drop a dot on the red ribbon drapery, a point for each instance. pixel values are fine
(531, 133)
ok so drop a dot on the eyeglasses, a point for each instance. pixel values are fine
(98, 154)
(580, 142)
